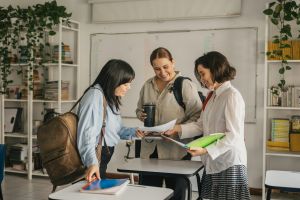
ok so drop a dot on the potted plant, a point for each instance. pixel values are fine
(23, 32)
(282, 13)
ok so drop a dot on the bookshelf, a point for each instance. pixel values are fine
(279, 159)
(58, 70)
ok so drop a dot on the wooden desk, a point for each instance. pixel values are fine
(168, 168)
(131, 192)
(283, 180)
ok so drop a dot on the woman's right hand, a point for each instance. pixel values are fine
(92, 173)
(142, 116)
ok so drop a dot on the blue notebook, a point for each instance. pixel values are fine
(105, 186)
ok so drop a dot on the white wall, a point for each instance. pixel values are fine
(251, 17)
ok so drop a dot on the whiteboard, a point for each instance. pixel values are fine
(239, 45)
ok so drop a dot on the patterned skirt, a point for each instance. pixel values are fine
(231, 183)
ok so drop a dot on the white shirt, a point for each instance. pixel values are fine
(224, 113)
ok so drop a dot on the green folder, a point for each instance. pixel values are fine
(205, 140)
(201, 142)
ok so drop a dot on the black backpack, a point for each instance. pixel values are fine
(177, 90)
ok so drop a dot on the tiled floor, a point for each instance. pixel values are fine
(16, 187)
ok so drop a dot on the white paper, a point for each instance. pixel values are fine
(175, 141)
(160, 128)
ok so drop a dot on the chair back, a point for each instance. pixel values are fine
(2, 160)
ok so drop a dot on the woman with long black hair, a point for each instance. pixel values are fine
(103, 98)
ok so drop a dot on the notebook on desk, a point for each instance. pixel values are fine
(105, 186)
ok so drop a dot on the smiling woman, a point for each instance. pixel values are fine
(158, 90)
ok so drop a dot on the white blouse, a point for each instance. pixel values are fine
(224, 113)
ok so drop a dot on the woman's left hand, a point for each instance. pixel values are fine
(197, 151)
(139, 133)
(174, 131)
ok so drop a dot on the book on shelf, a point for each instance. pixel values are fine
(12, 121)
(278, 148)
(65, 53)
(51, 90)
(296, 49)
(280, 128)
(200, 142)
(17, 153)
(293, 52)
(295, 142)
(278, 144)
(275, 47)
(105, 186)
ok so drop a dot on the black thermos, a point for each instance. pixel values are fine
(149, 109)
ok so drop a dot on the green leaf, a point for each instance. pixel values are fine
(295, 15)
(288, 67)
(283, 46)
(288, 57)
(278, 8)
(284, 38)
(274, 21)
(268, 11)
(281, 70)
(276, 15)
(278, 52)
(276, 41)
(52, 33)
(271, 4)
(288, 18)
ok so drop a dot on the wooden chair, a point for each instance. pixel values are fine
(287, 181)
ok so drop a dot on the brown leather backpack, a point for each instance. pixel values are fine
(57, 139)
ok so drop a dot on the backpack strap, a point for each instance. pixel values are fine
(104, 100)
(102, 133)
(177, 90)
(80, 98)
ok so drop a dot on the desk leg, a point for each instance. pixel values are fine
(189, 187)
(199, 186)
(269, 191)
(131, 178)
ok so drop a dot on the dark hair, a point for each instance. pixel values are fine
(113, 74)
(218, 65)
(160, 52)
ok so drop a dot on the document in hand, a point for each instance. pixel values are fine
(200, 142)
(105, 186)
(160, 128)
